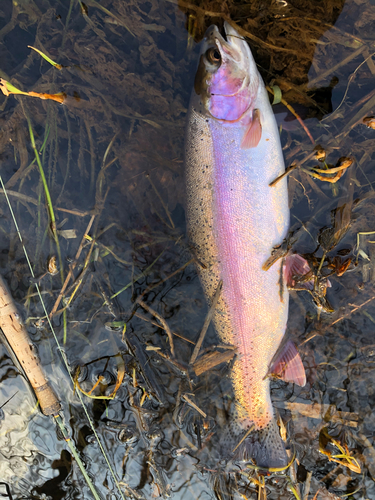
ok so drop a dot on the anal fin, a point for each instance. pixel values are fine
(287, 365)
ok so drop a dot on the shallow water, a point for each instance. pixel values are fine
(113, 153)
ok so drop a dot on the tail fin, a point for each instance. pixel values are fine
(264, 447)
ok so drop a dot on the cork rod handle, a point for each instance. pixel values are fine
(24, 350)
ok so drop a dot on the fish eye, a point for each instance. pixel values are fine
(213, 56)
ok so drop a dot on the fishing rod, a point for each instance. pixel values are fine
(22, 349)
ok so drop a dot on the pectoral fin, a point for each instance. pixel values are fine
(253, 132)
(287, 365)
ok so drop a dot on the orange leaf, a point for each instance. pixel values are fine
(60, 97)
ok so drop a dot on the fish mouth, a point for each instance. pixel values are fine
(223, 32)
(229, 34)
(224, 41)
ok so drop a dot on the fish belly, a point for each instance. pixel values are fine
(234, 220)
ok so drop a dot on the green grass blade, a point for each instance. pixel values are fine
(73, 449)
(48, 59)
(59, 346)
(7, 88)
(142, 275)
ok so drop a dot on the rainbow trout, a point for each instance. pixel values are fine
(234, 220)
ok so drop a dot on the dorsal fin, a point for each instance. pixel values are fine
(253, 132)
(287, 365)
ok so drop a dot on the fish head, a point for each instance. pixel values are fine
(227, 79)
